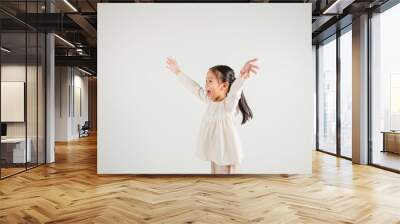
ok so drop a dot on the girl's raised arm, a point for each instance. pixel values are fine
(236, 89)
(186, 81)
(234, 94)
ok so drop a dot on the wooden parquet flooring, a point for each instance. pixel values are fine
(70, 191)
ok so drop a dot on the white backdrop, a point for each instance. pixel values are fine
(148, 122)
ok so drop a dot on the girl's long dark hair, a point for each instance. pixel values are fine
(226, 74)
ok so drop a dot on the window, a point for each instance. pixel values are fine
(346, 93)
(327, 96)
(385, 89)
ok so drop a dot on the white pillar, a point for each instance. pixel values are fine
(50, 91)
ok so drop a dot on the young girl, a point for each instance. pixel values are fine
(218, 140)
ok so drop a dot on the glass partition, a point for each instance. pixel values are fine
(22, 101)
(13, 110)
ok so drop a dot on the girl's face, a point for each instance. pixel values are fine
(216, 90)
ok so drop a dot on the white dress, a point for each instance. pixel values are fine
(218, 140)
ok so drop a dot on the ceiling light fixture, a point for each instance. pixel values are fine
(70, 5)
(5, 49)
(64, 40)
(329, 9)
(84, 71)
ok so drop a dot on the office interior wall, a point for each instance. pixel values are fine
(69, 83)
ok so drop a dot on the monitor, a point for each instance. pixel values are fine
(3, 129)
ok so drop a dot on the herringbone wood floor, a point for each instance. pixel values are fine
(69, 191)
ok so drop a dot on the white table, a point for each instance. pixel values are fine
(19, 149)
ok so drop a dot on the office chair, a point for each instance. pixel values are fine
(84, 130)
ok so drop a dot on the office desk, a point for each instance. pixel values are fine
(391, 141)
(13, 150)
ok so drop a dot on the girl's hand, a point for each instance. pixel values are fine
(249, 68)
(172, 65)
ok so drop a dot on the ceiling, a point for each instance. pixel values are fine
(76, 22)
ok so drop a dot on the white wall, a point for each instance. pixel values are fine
(80, 83)
(61, 103)
(148, 123)
(67, 80)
